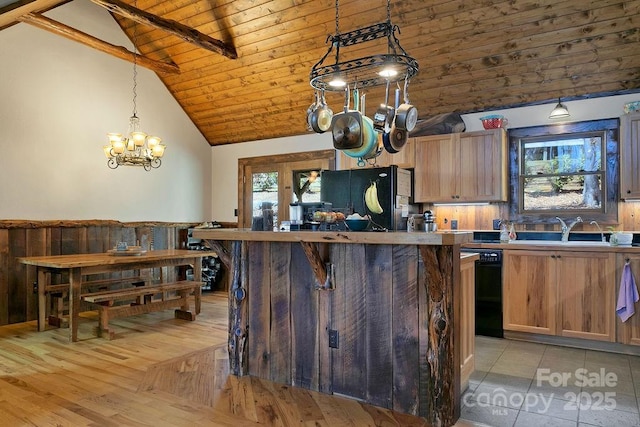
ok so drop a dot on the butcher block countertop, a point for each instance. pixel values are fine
(381, 238)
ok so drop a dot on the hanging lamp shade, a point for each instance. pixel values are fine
(560, 111)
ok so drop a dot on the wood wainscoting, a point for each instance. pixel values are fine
(18, 238)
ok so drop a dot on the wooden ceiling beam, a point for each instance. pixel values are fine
(70, 33)
(9, 14)
(182, 31)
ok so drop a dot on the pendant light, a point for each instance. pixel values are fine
(559, 112)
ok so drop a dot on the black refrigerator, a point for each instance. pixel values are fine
(345, 189)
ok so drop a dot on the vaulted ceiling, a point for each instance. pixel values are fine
(473, 55)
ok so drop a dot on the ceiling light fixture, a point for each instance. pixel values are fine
(374, 70)
(559, 112)
(136, 148)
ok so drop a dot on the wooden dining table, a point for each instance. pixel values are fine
(81, 265)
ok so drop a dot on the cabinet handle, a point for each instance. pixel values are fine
(628, 191)
(453, 196)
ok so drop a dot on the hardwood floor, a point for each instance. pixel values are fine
(158, 371)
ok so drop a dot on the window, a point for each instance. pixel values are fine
(562, 172)
(564, 169)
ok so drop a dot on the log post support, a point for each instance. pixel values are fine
(238, 318)
(441, 397)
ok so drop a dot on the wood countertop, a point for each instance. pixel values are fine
(553, 246)
(381, 238)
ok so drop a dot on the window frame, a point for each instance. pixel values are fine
(609, 129)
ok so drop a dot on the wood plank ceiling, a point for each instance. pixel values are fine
(474, 55)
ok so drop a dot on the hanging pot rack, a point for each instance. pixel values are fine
(367, 71)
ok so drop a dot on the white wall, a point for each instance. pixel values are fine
(224, 159)
(59, 99)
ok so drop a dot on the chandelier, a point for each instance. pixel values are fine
(136, 148)
(374, 70)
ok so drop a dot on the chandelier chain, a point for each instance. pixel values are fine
(389, 11)
(135, 65)
(337, 19)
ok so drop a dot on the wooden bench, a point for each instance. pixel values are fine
(59, 293)
(172, 295)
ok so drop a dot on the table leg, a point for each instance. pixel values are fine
(197, 276)
(75, 281)
(42, 300)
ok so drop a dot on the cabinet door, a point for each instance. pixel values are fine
(436, 170)
(467, 321)
(529, 292)
(483, 167)
(586, 286)
(630, 156)
(629, 331)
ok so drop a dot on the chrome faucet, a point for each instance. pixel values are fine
(599, 229)
(567, 229)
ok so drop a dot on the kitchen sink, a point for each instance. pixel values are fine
(559, 243)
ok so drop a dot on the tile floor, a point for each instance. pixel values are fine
(527, 384)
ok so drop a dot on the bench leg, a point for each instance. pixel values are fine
(184, 315)
(198, 298)
(103, 324)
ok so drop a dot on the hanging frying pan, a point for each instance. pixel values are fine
(383, 118)
(310, 111)
(397, 138)
(369, 135)
(386, 136)
(320, 119)
(407, 114)
(346, 127)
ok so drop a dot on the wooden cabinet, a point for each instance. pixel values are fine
(630, 156)
(586, 287)
(529, 292)
(461, 167)
(564, 293)
(404, 159)
(629, 331)
(467, 318)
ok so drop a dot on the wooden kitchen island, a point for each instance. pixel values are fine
(372, 316)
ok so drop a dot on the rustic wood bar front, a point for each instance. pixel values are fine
(371, 316)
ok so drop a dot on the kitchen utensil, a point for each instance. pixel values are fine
(430, 222)
(356, 224)
(406, 114)
(397, 139)
(368, 134)
(320, 118)
(383, 117)
(493, 121)
(346, 128)
(310, 110)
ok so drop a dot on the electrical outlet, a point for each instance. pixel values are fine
(454, 224)
(334, 338)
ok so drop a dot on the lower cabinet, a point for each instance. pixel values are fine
(629, 331)
(563, 293)
(467, 319)
(529, 292)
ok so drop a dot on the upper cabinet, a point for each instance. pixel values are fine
(461, 167)
(404, 159)
(630, 156)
